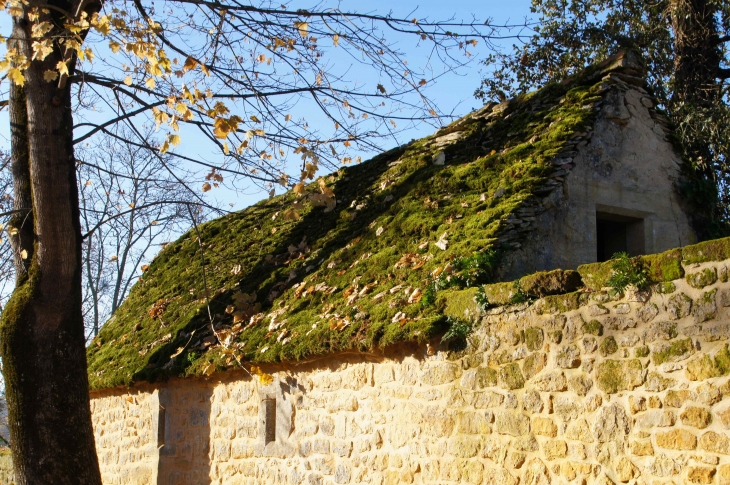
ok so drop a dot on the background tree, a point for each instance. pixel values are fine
(685, 46)
(232, 73)
(130, 205)
(6, 210)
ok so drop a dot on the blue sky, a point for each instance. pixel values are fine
(452, 93)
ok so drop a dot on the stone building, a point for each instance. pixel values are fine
(352, 334)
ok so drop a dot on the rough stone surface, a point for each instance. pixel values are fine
(677, 439)
(612, 423)
(517, 406)
(696, 417)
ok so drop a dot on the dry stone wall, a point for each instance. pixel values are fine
(125, 431)
(580, 388)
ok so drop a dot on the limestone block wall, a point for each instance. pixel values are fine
(125, 431)
(6, 467)
(579, 388)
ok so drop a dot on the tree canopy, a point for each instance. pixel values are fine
(685, 47)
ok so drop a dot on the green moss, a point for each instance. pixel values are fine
(284, 261)
(715, 250)
(642, 351)
(608, 346)
(460, 304)
(595, 275)
(533, 364)
(666, 266)
(666, 288)
(707, 367)
(554, 282)
(556, 336)
(722, 360)
(486, 377)
(561, 303)
(702, 278)
(619, 375)
(593, 327)
(534, 338)
(677, 348)
(499, 294)
(510, 376)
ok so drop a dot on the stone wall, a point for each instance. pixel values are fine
(125, 429)
(6, 467)
(577, 388)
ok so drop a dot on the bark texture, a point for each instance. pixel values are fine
(41, 332)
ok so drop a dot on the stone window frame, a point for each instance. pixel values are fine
(274, 438)
(165, 444)
(645, 218)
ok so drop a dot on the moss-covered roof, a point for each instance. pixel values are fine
(405, 233)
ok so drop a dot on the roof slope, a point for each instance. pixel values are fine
(405, 232)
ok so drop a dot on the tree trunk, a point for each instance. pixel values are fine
(42, 331)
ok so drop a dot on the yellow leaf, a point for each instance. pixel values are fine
(174, 140)
(206, 187)
(150, 83)
(266, 379)
(115, 46)
(15, 10)
(16, 76)
(255, 119)
(209, 369)
(291, 215)
(299, 188)
(41, 29)
(49, 75)
(226, 150)
(336, 39)
(287, 117)
(24, 254)
(190, 64)
(62, 68)
(165, 146)
(128, 80)
(303, 28)
(205, 70)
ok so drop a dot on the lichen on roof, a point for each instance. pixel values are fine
(405, 232)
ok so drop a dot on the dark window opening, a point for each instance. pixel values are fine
(618, 234)
(270, 420)
(161, 427)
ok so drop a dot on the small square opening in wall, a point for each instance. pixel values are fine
(269, 420)
(618, 234)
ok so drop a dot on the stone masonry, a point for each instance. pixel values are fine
(583, 388)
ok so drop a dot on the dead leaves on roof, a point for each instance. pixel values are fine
(410, 261)
(158, 309)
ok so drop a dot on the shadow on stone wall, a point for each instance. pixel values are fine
(184, 435)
